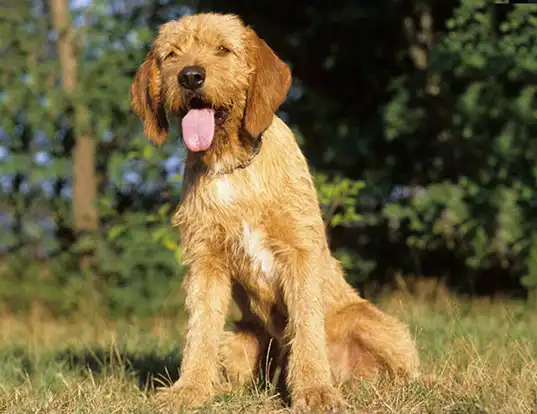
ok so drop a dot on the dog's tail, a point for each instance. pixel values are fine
(364, 341)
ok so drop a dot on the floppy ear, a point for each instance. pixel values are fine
(146, 100)
(268, 87)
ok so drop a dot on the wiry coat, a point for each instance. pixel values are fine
(252, 230)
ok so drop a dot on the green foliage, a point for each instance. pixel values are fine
(338, 198)
(483, 208)
(134, 271)
(138, 262)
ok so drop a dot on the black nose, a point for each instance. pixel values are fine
(192, 77)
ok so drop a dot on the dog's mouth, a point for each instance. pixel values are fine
(199, 123)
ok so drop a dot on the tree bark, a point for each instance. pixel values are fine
(84, 172)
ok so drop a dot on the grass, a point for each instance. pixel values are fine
(477, 357)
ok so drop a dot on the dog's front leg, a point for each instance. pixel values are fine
(208, 296)
(309, 377)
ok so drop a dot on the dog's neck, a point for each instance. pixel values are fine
(226, 156)
(256, 147)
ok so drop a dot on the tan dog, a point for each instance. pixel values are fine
(251, 224)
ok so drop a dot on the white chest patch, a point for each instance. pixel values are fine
(253, 241)
(225, 194)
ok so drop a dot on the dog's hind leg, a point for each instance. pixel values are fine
(244, 353)
(363, 341)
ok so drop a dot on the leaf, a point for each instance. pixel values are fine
(115, 232)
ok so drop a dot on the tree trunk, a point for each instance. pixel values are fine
(84, 173)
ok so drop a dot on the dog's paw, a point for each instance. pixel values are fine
(179, 396)
(318, 400)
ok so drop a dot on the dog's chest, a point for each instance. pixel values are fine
(250, 239)
(256, 265)
(232, 209)
(253, 243)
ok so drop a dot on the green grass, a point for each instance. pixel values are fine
(477, 357)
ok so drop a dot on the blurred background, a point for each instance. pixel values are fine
(418, 117)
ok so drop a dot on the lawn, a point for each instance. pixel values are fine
(477, 357)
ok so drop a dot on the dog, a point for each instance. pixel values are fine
(251, 226)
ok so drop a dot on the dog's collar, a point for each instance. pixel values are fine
(256, 148)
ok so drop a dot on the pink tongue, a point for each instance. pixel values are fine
(198, 129)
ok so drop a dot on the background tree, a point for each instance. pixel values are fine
(84, 175)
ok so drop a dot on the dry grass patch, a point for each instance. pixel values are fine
(477, 357)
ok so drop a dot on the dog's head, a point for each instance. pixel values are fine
(213, 72)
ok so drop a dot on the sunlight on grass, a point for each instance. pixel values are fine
(477, 357)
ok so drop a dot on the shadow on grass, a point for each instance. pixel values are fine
(151, 370)
(16, 364)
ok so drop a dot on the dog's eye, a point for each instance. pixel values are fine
(222, 50)
(171, 55)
